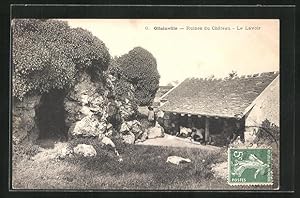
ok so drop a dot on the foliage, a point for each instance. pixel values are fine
(268, 133)
(47, 54)
(139, 68)
(233, 74)
(123, 90)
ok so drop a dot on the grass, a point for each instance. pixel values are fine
(143, 168)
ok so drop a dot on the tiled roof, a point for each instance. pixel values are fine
(217, 97)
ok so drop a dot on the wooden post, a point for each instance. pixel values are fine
(189, 120)
(207, 134)
(225, 126)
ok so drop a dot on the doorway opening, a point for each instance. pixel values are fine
(50, 114)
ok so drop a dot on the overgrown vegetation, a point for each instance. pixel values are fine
(139, 68)
(122, 87)
(268, 133)
(48, 54)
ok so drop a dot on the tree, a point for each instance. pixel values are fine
(139, 68)
(48, 54)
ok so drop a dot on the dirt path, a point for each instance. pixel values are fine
(173, 141)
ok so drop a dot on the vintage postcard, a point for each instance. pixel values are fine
(145, 104)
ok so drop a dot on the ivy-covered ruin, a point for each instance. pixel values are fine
(62, 78)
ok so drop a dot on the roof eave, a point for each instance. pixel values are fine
(202, 114)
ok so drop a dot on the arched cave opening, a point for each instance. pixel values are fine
(50, 118)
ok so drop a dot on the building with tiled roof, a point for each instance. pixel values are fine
(228, 98)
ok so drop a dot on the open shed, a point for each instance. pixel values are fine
(216, 104)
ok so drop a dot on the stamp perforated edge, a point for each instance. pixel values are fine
(248, 183)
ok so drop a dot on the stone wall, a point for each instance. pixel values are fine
(24, 119)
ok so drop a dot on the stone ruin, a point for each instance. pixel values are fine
(79, 112)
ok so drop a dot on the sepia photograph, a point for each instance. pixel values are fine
(145, 104)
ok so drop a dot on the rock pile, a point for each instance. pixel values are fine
(84, 100)
(87, 111)
(132, 131)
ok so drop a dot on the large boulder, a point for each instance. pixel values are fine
(64, 153)
(155, 132)
(85, 150)
(24, 119)
(129, 138)
(89, 126)
(136, 128)
(124, 128)
(106, 141)
(84, 99)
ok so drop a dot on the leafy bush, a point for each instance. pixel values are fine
(139, 68)
(268, 133)
(47, 54)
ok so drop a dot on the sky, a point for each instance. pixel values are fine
(186, 53)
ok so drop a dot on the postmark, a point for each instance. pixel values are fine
(250, 166)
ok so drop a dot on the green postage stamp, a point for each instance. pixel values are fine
(250, 166)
